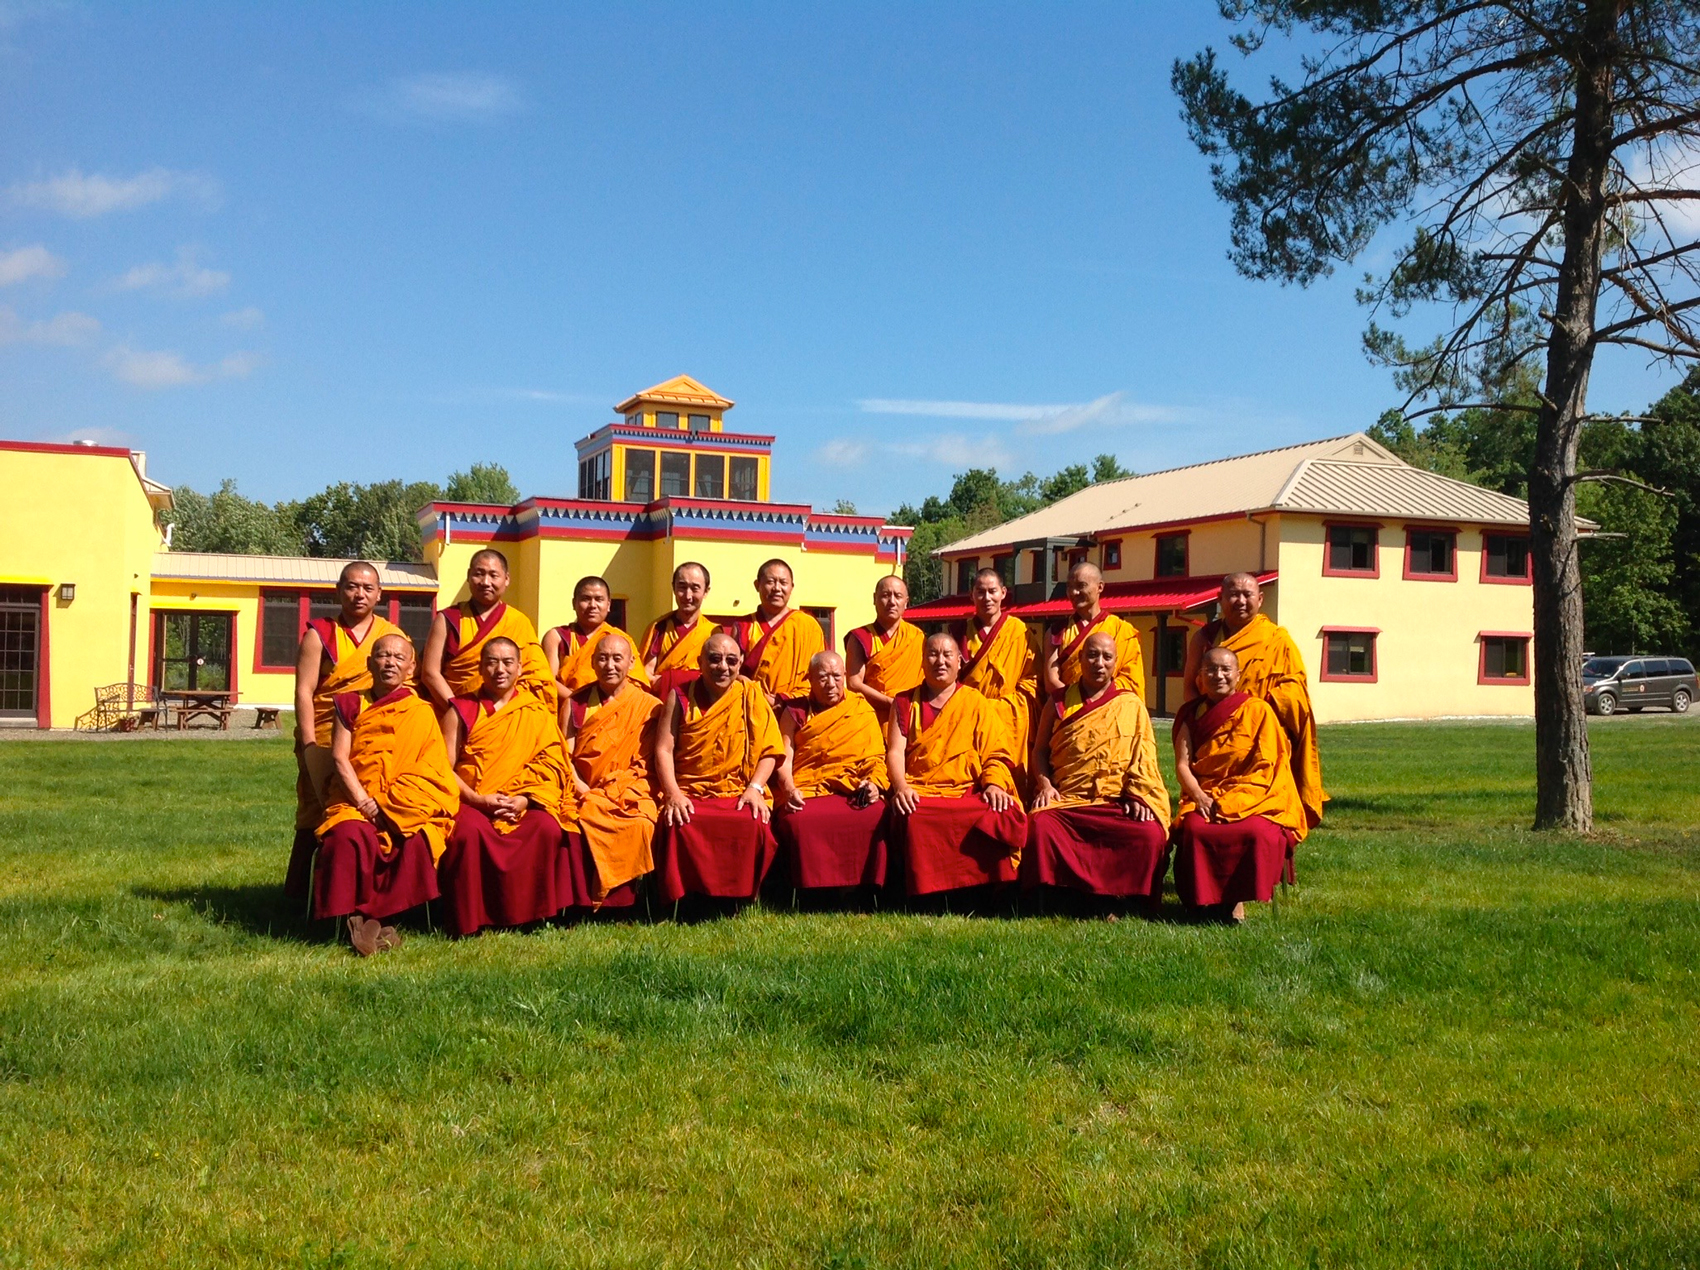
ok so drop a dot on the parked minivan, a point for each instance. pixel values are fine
(1610, 684)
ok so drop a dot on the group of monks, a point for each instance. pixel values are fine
(519, 778)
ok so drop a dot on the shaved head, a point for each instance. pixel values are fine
(1086, 570)
(501, 641)
(825, 660)
(1099, 639)
(1235, 580)
(617, 639)
(403, 640)
(720, 641)
(1221, 657)
(358, 566)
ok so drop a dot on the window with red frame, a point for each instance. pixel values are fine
(1505, 556)
(284, 616)
(1171, 556)
(1505, 657)
(1431, 553)
(1348, 654)
(1351, 549)
(1113, 554)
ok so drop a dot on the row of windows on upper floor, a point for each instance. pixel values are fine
(652, 474)
(670, 419)
(1352, 550)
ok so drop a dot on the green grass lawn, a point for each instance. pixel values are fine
(1459, 1043)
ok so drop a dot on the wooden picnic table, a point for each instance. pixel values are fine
(189, 705)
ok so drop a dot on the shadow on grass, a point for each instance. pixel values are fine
(262, 910)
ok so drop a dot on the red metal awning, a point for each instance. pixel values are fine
(1157, 595)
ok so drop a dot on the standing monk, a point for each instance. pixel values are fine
(502, 861)
(1100, 819)
(332, 659)
(1240, 815)
(998, 662)
(611, 726)
(952, 781)
(831, 786)
(778, 641)
(569, 647)
(1270, 669)
(713, 758)
(455, 647)
(1062, 656)
(883, 658)
(672, 645)
(392, 807)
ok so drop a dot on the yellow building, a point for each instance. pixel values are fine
(1408, 593)
(91, 597)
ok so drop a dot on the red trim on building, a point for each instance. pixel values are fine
(1328, 570)
(56, 447)
(1493, 579)
(1523, 637)
(1431, 577)
(1374, 654)
(44, 675)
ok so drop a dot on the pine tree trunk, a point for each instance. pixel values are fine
(1564, 797)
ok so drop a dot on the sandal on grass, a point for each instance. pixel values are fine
(363, 934)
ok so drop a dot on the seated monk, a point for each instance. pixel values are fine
(883, 658)
(671, 646)
(1271, 670)
(1240, 815)
(778, 641)
(998, 663)
(831, 787)
(1062, 654)
(331, 659)
(713, 758)
(393, 805)
(569, 647)
(611, 727)
(952, 781)
(454, 650)
(1100, 817)
(502, 862)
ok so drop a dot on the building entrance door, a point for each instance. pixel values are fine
(20, 653)
(191, 652)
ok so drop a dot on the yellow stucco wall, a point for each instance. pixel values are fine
(1427, 652)
(83, 518)
(264, 687)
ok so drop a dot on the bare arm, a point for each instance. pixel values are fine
(1195, 651)
(1190, 787)
(786, 777)
(1050, 674)
(552, 650)
(675, 807)
(342, 749)
(903, 797)
(855, 665)
(308, 658)
(1044, 792)
(569, 730)
(431, 663)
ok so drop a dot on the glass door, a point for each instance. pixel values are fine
(20, 652)
(191, 652)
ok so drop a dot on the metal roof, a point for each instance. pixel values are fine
(214, 566)
(1350, 475)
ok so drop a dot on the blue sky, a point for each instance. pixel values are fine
(292, 245)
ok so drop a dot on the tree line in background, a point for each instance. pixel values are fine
(370, 522)
(1641, 577)
(979, 499)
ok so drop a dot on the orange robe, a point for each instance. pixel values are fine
(343, 667)
(399, 758)
(1070, 642)
(717, 749)
(467, 635)
(677, 650)
(1105, 751)
(516, 750)
(1000, 665)
(776, 655)
(1243, 761)
(953, 838)
(611, 745)
(891, 664)
(1272, 670)
(576, 649)
(836, 748)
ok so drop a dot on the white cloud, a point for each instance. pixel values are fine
(955, 449)
(248, 319)
(842, 452)
(29, 262)
(64, 329)
(81, 196)
(187, 277)
(459, 97)
(1112, 410)
(154, 370)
